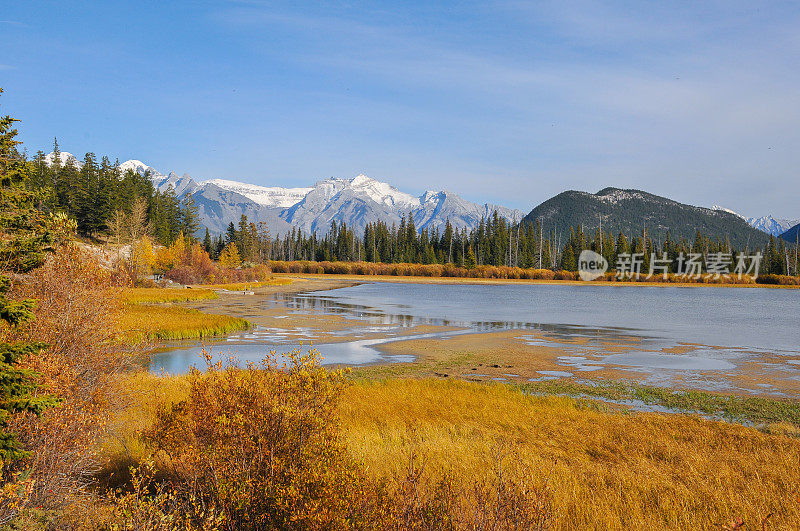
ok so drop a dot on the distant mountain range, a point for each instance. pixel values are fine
(356, 202)
(630, 211)
(769, 224)
(362, 200)
(774, 226)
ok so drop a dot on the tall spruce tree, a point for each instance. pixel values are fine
(207, 245)
(190, 219)
(24, 241)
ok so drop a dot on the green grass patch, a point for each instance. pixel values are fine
(165, 295)
(154, 322)
(735, 408)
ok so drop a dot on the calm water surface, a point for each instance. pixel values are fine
(740, 320)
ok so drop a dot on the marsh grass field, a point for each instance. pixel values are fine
(602, 468)
(708, 461)
(152, 314)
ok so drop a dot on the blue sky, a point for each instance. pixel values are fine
(506, 102)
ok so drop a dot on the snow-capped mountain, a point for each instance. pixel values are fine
(181, 184)
(768, 224)
(138, 166)
(356, 202)
(771, 225)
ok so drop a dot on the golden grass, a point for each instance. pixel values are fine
(164, 295)
(149, 314)
(240, 286)
(605, 470)
(154, 322)
(147, 394)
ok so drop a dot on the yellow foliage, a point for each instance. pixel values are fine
(260, 446)
(142, 257)
(168, 257)
(229, 257)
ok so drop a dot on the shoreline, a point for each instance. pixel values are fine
(409, 279)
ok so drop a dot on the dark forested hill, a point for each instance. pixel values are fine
(791, 235)
(631, 211)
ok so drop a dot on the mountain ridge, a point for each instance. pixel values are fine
(356, 201)
(773, 225)
(361, 200)
(631, 211)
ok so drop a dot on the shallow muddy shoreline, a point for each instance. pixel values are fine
(517, 355)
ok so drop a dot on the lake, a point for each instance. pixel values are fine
(714, 328)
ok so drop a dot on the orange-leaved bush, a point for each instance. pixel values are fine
(260, 447)
(76, 316)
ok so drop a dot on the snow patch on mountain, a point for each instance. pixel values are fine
(383, 193)
(63, 158)
(728, 210)
(139, 167)
(263, 195)
(615, 195)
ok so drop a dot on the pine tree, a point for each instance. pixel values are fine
(470, 262)
(568, 261)
(207, 243)
(23, 245)
(230, 234)
(190, 221)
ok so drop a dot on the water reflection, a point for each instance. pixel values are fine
(359, 352)
(660, 330)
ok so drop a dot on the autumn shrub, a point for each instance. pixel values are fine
(148, 505)
(360, 268)
(419, 270)
(778, 280)
(341, 268)
(279, 267)
(507, 272)
(543, 274)
(565, 275)
(188, 263)
(261, 446)
(76, 318)
(185, 275)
